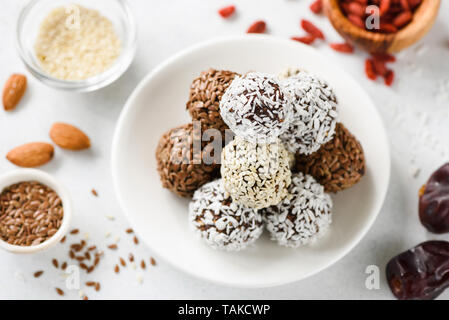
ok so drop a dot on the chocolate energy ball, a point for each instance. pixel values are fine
(255, 175)
(182, 161)
(337, 165)
(314, 113)
(257, 108)
(222, 223)
(304, 216)
(206, 92)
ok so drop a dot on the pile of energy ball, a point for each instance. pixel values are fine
(285, 152)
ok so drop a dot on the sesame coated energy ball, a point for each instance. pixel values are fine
(256, 108)
(302, 217)
(337, 165)
(314, 113)
(206, 92)
(182, 162)
(255, 175)
(222, 223)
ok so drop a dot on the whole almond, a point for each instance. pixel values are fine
(32, 154)
(69, 137)
(13, 91)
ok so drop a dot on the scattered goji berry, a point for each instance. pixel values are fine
(356, 9)
(380, 68)
(311, 29)
(384, 6)
(226, 12)
(369, 69)
(304, 39)
(389, 78)
(356, 20)
(317, 6)
(342, 47)
(257, 27)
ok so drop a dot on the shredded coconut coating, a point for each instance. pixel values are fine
(76, 43)
(256, 107)
(315, 113)
(302, 217)
(255, 175)
(222, 223)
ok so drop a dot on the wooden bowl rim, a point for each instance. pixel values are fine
(403, 33)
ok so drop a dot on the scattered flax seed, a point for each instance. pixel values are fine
(87, 255)
(129, 230)
(143, 265)
(90, 269)
(59, 291)
(92, 248)
(85, 298)
(116, 268)
(74, 231)
(152, 261)
(97, 286)
(83, 266)
(37, 274)
(94, 192)
(122, 262)
(131, 257)
(64, 266)
(55, 263)
(90, 283)
(63, 239)
(113, 246)
(136, 241)
(72, 255)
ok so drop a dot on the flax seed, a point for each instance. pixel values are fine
(37, 274)
(59, 291)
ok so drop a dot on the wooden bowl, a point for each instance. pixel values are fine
(422, 22)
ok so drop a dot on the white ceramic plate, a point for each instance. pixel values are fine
(160, 218)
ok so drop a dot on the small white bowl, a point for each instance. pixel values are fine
(21, 175)
(35, 11)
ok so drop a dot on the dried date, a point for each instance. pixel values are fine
(434, 201)
(421, 273)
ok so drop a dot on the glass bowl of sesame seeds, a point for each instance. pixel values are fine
(76, 46)
(35, 211)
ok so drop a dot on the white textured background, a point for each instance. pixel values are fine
(415, 111)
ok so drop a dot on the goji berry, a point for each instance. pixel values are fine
(311, 29)
(356, 20)
(384, 6)
(257, 27)
(226, 12)
(402, 19)
(356, 9)
(389, 78)
(369, 69)
(405, 5)
(317, 6)
(342, 47)
(380, 68)
(305, 39)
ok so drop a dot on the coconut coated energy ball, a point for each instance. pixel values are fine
(337, 165)
(205, 95)
(183, 165)
(314, 113)
(222, 223)
(255, 175)
(256, 108)
(302, 217)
